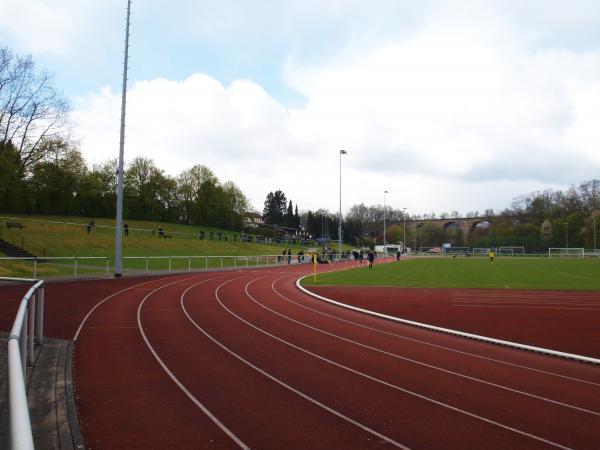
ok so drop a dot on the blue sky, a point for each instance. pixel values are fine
(448, 105)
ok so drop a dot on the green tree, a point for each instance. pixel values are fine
(274, 210)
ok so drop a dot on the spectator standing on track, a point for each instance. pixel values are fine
(161, 233)
(492, 255)
(126, 228)
(371, 258)
(289, 255)
(90, 225)
(398, 255)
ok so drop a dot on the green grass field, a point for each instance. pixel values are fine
(511, 273)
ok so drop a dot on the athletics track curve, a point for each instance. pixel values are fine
(243, 359)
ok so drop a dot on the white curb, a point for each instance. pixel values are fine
(528, 348)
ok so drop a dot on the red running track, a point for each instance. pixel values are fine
(243, 359)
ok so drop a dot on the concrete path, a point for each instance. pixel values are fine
(51, 397)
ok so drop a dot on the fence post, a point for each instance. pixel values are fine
(75, 267)
(169, 263)
(246, 261)
(31, 328)
(206, 263)
(189, 263)
(146, 265)
(221, 262)
(235, 261)
(35, 268)
(257, 261)
(40, 316)
(107, 262)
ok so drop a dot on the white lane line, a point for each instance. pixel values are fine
(385, 383)
(559, 308)
(442, 347)
(84, 320)
(420, 363)
(529, 348)
(181, 386)
(523, 302)
(277, 380)
(161, 278)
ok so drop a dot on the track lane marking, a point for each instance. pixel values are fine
(181, 386)
(277, 380)
(450, 349)
(390, 385)
(420, 363)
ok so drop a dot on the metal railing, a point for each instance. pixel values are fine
(75, 259)
(27, 329)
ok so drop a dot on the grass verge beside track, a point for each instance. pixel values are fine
(509, 273)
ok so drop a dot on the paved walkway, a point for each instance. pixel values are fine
(51, 398)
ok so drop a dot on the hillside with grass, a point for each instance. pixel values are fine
(68, 236)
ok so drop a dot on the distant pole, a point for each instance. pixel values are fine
(342, 152)
(594, 234)
(119, 231)
(384, 237)
(567, 234)
(404, 229)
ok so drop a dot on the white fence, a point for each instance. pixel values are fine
(78, 266)
(27, 329)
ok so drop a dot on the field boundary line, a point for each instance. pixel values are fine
(529, 348)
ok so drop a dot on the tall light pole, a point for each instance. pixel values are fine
(404, 229)
(119, 235)
(384, 237)
(342, 152)
(594, 234)
(567, 234)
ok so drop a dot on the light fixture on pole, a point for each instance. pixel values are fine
(404, 229)
(119, 230)
(342, 152)
(384, 236)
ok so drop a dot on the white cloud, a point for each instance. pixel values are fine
(464, 114)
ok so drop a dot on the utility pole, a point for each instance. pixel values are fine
(119, 234)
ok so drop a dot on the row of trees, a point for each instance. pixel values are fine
(551, 218)
(61, 183)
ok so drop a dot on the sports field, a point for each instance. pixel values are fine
(510, 273)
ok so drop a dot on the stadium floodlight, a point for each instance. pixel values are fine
(560, 252)
(404, 230)
(384, 237)
(342, 152)
(119, 230)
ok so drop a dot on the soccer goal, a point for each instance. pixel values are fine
(556, 252)
(457, 250)
(480, 251)
(511, 250)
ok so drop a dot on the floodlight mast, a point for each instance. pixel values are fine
(342, 152)
(119, 230)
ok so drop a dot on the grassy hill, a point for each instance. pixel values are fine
(60, 236)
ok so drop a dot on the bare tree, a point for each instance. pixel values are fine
(33, 114)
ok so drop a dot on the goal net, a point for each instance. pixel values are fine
(556, 252)
(457, 250)
(480, 251)
(508, 250)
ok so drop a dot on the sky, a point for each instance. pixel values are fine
(447, 105)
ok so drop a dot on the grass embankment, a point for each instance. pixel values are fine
(512, 273)
(69, 240)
